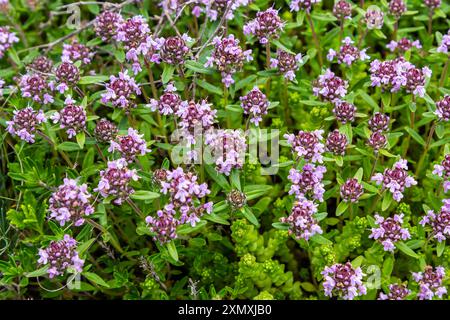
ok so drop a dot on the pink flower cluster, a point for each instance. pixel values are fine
(129, 146)
(67, 76)
(227, 148)
(344, 111)
(443, 108)
(445, 43)
(348, 53)
(7, 39)
(396, 292)
(397, 74)
(106, 25)
(430, 283)
(61, 256)
(389, 231)
(404, 44)
(440, 222)
(302, 223)
(342, 280)
(114, 181)
(72, 118)
(266, 26)
(306, 5)
(330, 87)
(169, 102)
(76, 52)
(286, 63)
(70, 203)
(255, 104)
(307, 182)
(443, 170)
(24, 123)
(307, 145)
(228, 57)
(351, 190)
(36, 87)
(395, 179)
(214, 9)
(121, 91)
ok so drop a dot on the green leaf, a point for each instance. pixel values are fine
(235, 180)
(68, 146)
(406, 250)
(440, 247)
(167, 73)
(209, 87)
(37, 273)
(216, 219)
(93, 79)
(341, 208)
(308, 287)
(88, 160)
(144, 195)
(120, 55)
(319, 216)
(339, 161)
(187, 228)
(368, 99)
(218, 178)
(81, 139)
(172, 249)
(198, 67)
(95, 278)
(359, 174)
(387, 200)
(247, 212)
(319, 239)
(388, 266)
(255, 191)
(415, 136)
(281, 225)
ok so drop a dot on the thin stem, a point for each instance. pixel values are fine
(394, 33)
(426, 148)
(374, 165)
(286, 102)
(363, 35)
(341, 30)
(430, 22)
(135, 208)
(62, 153)
(444, 73)
(268, 67)
(316, 39)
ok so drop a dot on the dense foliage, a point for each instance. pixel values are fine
(107, 110)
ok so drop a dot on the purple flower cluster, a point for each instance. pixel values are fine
(114, 181)
(306, 5)
(396, 292)
(174, 50)
(76, 52)
(302, 223)
(168, 103)
(395, 179)
(24, 123)
(60, 256)
(41, 64)
(70, 203)
(227, 148)
(377, 140)
(430, 283)
(397, 8)
(255, 104)
(342, 280)
(266, 26)
(440, 222)
(404, 44)
(286, 63)
(106, 25)
(374, 18)
(344, 111)
(432, 4)
(71, 117)
(164, 225)
(105, 131)
(216, 8)
(443, 170)
(307, 182)
(348, 53)
(36, 87)
(185, 193)
(228, 57)
(121, 91)
(330, 87)
(445, 43)
(351, 190)
(397, 74)
(195, 116)
(342, 10)
(130, 146)
(307, 145)
(443, 108)
(389, 231)
(67, 75)
(379, 122)
(7, 39)
(336, 142)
